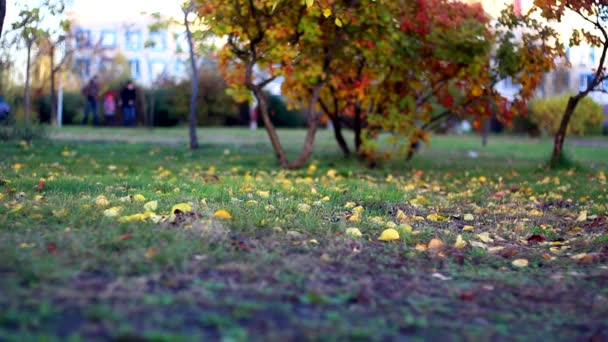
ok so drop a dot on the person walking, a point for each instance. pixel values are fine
(90, 92)
(127, 99)
(109, 109)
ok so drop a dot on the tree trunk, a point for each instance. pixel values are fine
(312, 129)
(27, 84)
(53, 90)
(270, 129)
(485, 131)
(357, 128)
(335, 121)
(560, 136)
(2, 14)
(193, 84)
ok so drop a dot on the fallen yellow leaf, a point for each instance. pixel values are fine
(134, 218)
(102, 201)
(436, 217)
(151, 206)
(469, 217)
(582, 257)
(222, 214)
(401, 217)
(520, 263)
(150, 253)
(405, 228)
(582, 216)
(16, 208)
(139, 198)
(495, 249)
(303, 207)
(353, 231)
(263, 194)
(183, 207)
(536, 212)
(358, 210)
(460, 243)
(389, 235)
(468, 228)
(485, 237)
(421, 247)
(112, 212)
(355, 218)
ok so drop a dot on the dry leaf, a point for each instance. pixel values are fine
(389, 235)
(353, 231)
(460, 243)
(435, 244)
(520, 262)
(222, 214)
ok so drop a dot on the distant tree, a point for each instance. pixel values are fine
(2, 14)
(196, 33)
(55, 44)
(29, 32)
(595, 16)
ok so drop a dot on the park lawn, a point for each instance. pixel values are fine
(282, 267)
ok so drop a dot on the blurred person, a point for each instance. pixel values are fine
(90, 92)
(109, 108)
(5, 109)
(127, 99)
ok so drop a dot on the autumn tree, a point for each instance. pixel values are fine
(29, 32)
(594, 15)
(260, 36)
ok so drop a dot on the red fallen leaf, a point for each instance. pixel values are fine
(537, 238)
(40, 186)
(467, 296)
(51, 248)
(497, 195)
(127, 236)
(240, 245)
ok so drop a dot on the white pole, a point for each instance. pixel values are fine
(60, 102)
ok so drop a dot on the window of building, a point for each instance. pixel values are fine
(181, 69)
(82, 67)
(108, 39)
(592, 55)
(133, 40)
(181, 42)
(584, 81)
(83, 38)
(135, 70)
(157, 69)
(158, 40)
(105, 64)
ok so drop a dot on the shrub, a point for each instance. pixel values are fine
(547, 114)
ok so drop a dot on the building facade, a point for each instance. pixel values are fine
(572, 76)
(151, 56)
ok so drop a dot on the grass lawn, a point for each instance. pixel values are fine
(491, 245)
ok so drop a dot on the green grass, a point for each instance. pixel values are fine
(278, 271)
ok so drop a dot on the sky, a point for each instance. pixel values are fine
(106, 9)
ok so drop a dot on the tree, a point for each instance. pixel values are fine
(260, 36)
(56, 42)
(2, 14)
(196, 32)
(595, 15)
(28, 27)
